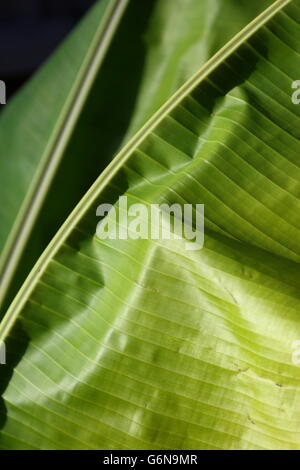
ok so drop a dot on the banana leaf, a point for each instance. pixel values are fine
(142, 344)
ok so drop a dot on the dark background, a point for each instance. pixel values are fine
(29, 31)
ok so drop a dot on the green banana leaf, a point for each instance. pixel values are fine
(36, 128)
(71, 108)
(142, 344)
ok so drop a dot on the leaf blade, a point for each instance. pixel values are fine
(145, 345)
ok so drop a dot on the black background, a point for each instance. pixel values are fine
(29, 31)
